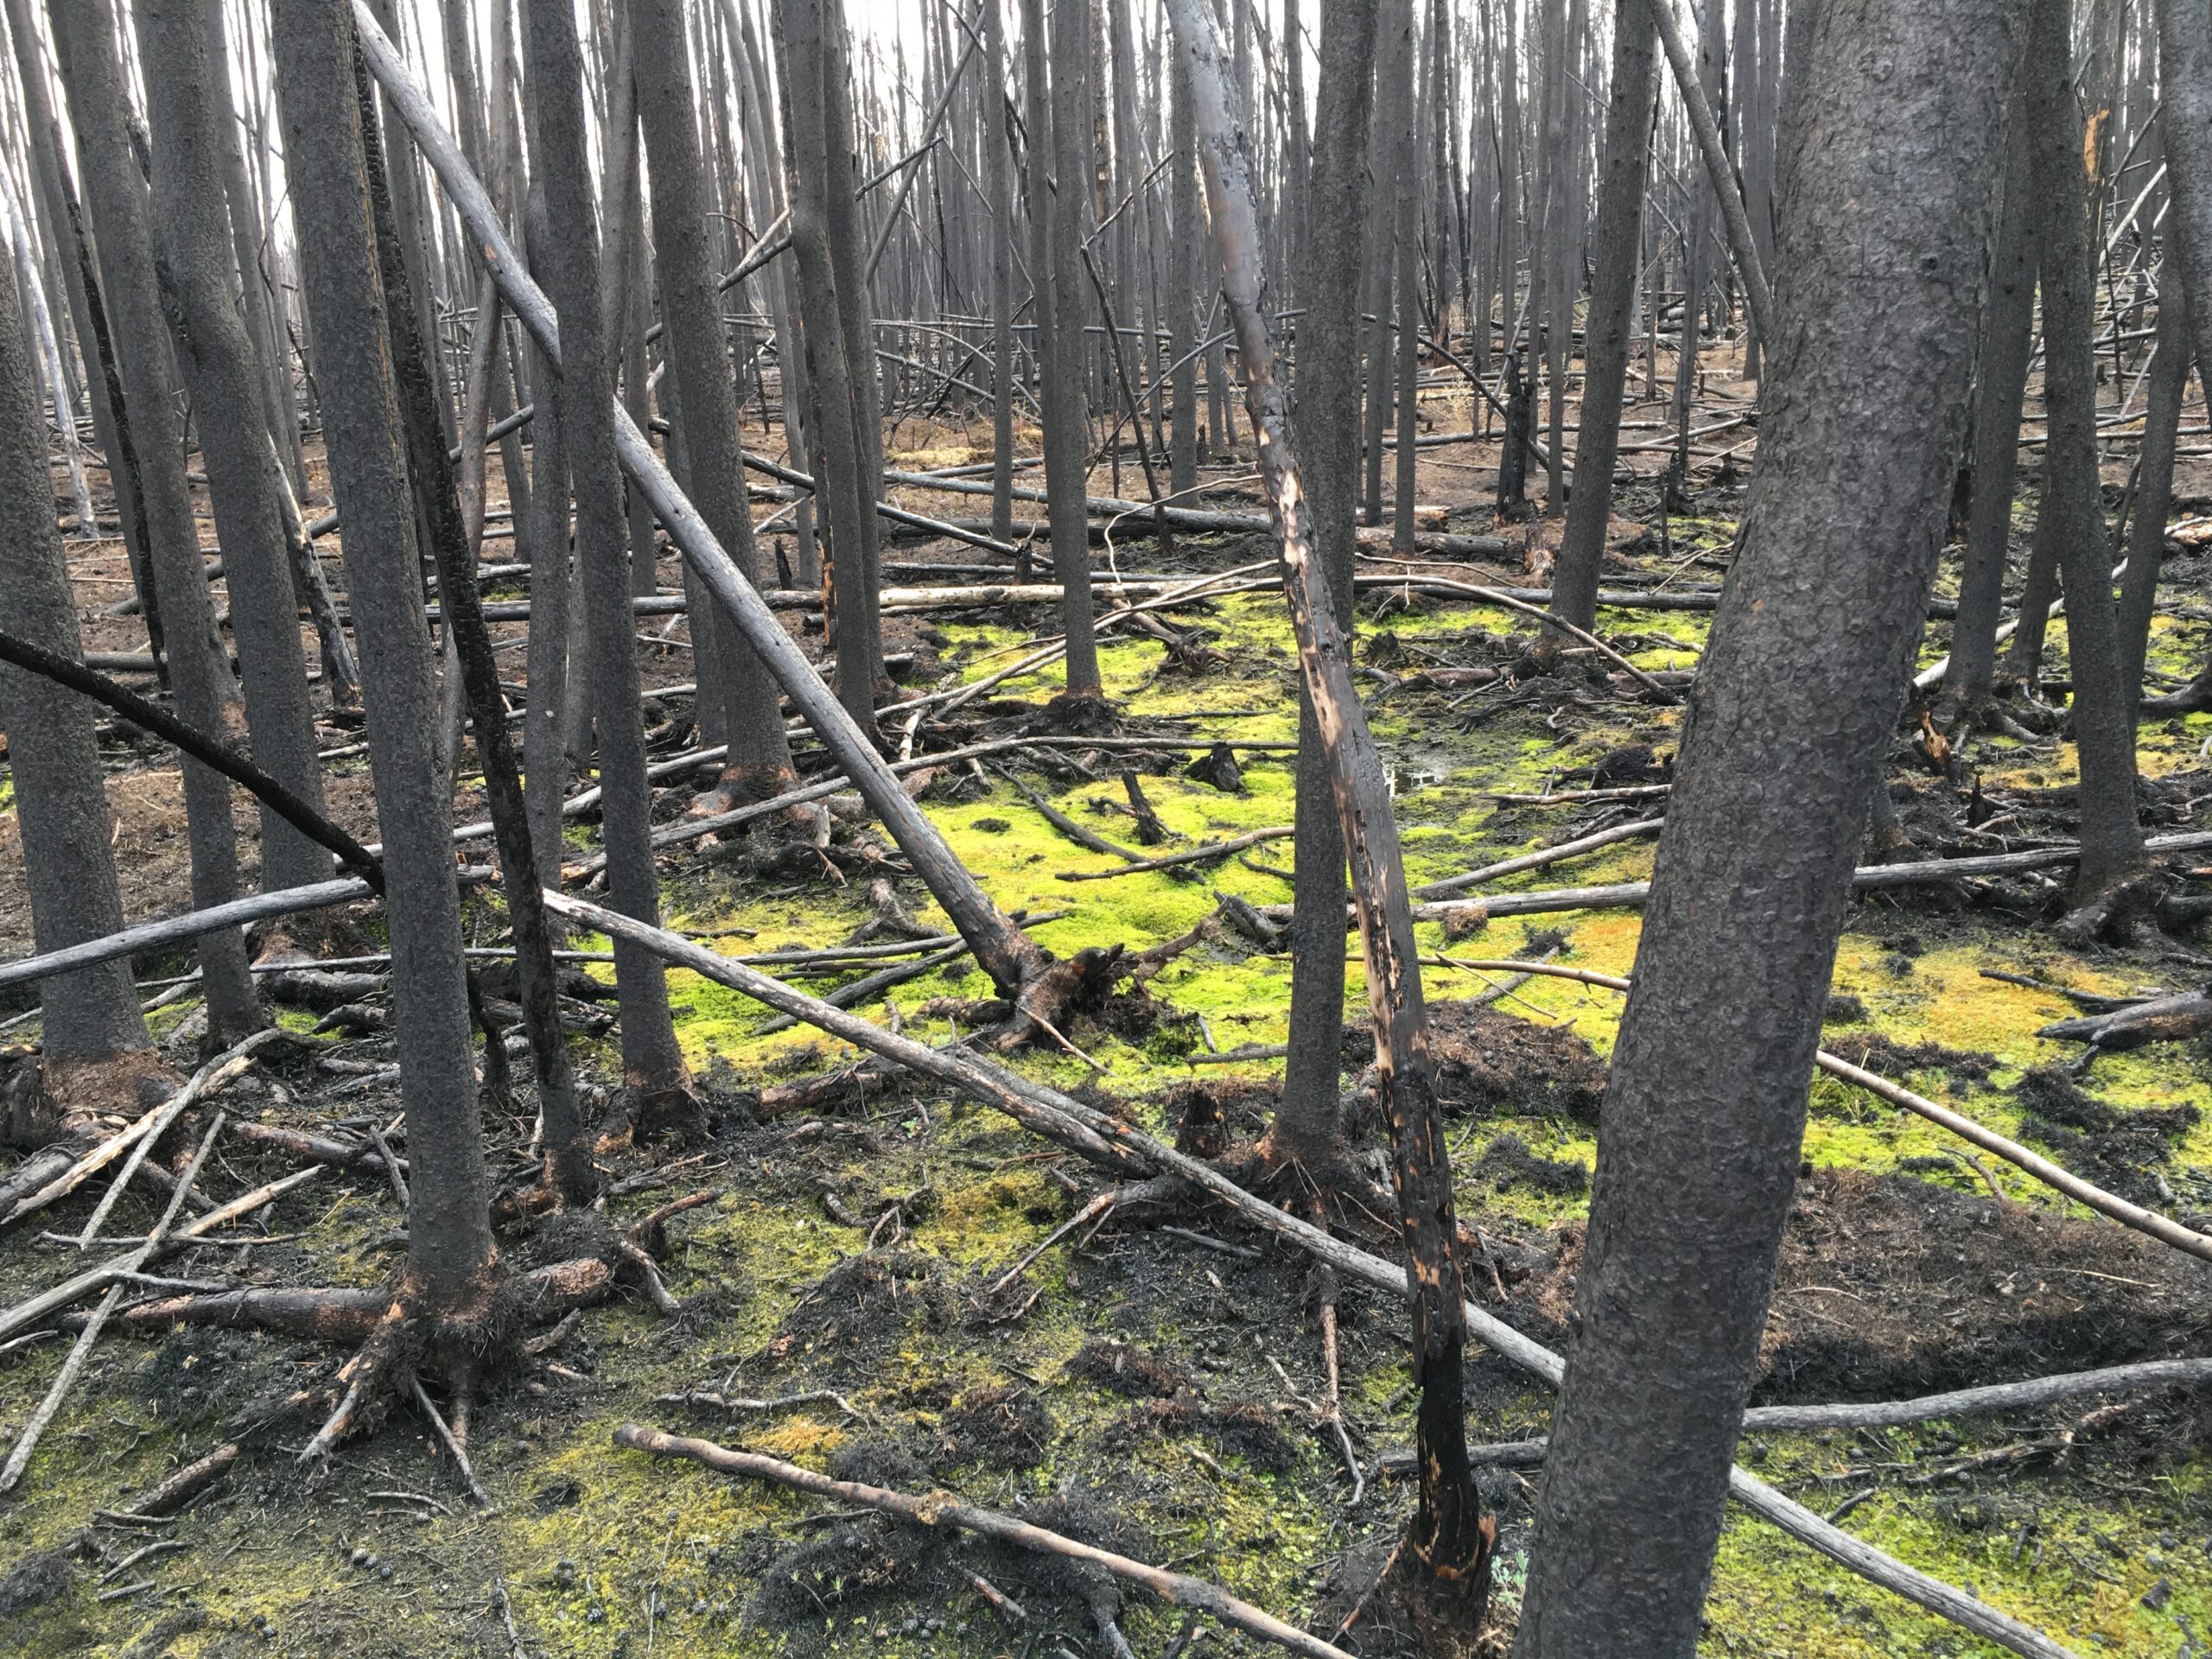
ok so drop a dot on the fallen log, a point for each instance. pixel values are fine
(1071, 1123)
(2167, 1020)
(940, 1510)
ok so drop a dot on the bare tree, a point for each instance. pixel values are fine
(95, 1049)
(229, 400)
(449, 1249)
(760, 762)
(115, 190)
(2112, 840)
(1306, 1124)
(1868, 383)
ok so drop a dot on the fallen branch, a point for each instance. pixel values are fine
(1127, 1149)
(940, 1510)
(2167, 1020)
(1188, 855)
(1542, 856)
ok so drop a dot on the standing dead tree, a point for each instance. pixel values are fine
(1446, 1555)
(1803, 677)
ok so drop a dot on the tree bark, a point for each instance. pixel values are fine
(228, 399)
(652, 1064)
(1059, 148)
(2112, 840)
(760, 762)
(998, 169)
(2154, 494)
(1867, 387)
(449, 1249)
(840, 464)
(568, 1151)
(1630, 100)
(2185, 83)
(115, 191)
(90, 1016)
(1450, 1541)
(2000, 381)
(1306, 1124)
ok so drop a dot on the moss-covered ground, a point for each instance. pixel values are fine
(596, 1551)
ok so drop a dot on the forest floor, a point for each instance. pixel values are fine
(1158, 1392)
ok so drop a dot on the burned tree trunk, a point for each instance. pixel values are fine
(2000, 379)
(760, 762)
(449, 1250)
(115, 191)
(1867, 389)
(652, 1064)
(1306, 1124)
(2112, 840)
(569, 1168)
(1633, 95)
(91, 1018)
(1446, 1552)
(229, 399)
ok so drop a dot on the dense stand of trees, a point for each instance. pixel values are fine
(432, 233)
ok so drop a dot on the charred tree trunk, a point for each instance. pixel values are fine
(653, 1069)
(449, 1250)
(1445, 1556)
(840, 466)
(91, 1017)
(115, 191)
(1306, 1124)
(2112, 840)
(998, 170)
(759, 762)
(1630, 101)
(567, 1152)
(1868, 383)
(228, 399)
(2001, 379)
(2154, 494)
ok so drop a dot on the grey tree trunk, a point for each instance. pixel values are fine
(840, 214)
(841, 465)
(114, 191)
(2001, 379)
(1060, 195)
(544, 751)
(1632, 95)
(2112, 840)
(1182, 278)
(90, 1016)
(2154, 493)
(652, 1064)
(1406, 216)
(2185, 84)
(1306, 1126)
(998, 170)
(1868, 383)
(449, 1249)
(244, 474)
(760, 762)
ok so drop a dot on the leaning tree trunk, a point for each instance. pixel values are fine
(2112, 840)
(2001, 379)
(449, 1249)
(1306, 1124)
(1867, 388)
(759, 763)
(229, 400)
(1446, 1551)
(1618, 237)
(92, 1029)
(115, 191)
(653, 1063)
